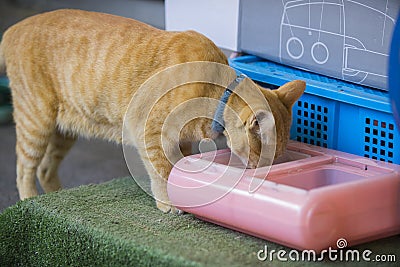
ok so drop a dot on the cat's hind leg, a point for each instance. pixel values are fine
(57, 148)
(34, 127)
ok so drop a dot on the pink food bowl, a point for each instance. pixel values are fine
(308, 199)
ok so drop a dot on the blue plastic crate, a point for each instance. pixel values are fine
(313, 121)
(333, 113)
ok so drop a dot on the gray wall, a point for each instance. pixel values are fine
(148, 11)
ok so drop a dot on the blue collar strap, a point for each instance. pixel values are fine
(218, 123)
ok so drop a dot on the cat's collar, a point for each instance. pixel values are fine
(218, 123)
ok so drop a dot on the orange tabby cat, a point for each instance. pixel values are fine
(74, 72)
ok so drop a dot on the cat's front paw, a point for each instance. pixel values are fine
(167, 208)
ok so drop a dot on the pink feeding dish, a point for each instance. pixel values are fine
(308, 199)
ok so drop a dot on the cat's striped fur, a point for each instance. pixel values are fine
(74, 72)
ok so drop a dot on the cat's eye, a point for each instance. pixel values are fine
(255, 125)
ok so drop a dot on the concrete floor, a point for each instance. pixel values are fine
(89, 161)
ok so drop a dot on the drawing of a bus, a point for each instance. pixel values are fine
(346, 37)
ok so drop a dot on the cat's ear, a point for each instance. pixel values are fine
(290, 92)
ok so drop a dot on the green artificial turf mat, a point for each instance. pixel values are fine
(116, 223)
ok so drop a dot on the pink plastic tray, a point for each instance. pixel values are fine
(309, 199)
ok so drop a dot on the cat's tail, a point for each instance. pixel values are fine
(2, 61)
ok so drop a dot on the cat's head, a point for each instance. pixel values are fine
(250, 128)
